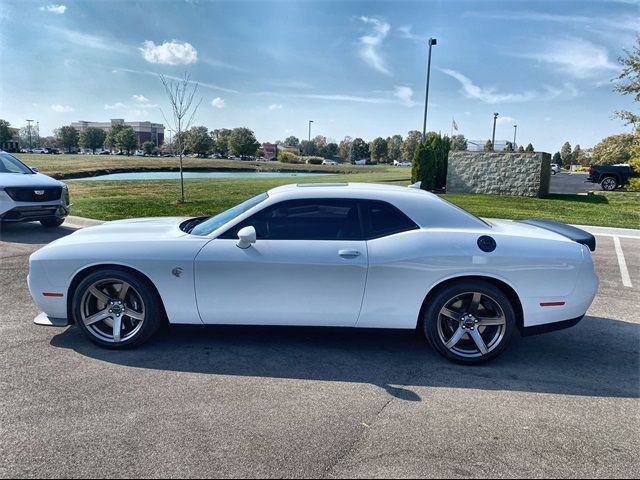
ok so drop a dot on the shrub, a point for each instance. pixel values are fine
(314, 160)
(288, 157)
(633, 185)
(430, 162)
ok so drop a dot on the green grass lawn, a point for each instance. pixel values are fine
(125, 199)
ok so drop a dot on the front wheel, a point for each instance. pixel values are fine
(52, 222)
(116, 309)
(469, 322)
(609, 184)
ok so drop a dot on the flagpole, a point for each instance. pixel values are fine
(452, 120)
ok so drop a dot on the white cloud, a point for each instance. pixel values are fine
(53, 8)
(369, 44)
(116, 106)
(218, 102)
(405, 94)
(505, 121)
(140, 98)
(575, 57)
(62, 108)
(487, 95)
(407, 33)
(346, 98)
(275, 106)
(169, 53)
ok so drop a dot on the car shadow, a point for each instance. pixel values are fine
(598, 357)
(31, 233)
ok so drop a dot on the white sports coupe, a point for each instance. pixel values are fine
(338, 255)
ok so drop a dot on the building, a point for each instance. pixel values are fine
(145, 131)
(12, 145)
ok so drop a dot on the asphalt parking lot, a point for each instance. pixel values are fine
(564, 182)
(274, 402)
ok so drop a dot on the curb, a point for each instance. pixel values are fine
(81, 222)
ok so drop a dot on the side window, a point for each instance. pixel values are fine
(313, 219)
(382, 219)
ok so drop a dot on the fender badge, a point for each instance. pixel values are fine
(176, 272)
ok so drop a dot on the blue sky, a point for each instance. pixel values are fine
(354, 68)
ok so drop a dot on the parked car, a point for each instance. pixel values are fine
(329, 162)
(555, 168)
(27, 196)
(395, 257)
(39, 150)
(611, 177)
(362, 161)
(396, 163)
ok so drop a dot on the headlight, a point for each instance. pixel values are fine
(65, 194)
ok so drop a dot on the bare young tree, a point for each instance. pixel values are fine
(181, 93)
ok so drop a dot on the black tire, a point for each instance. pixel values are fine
(609, 184)
(494, 306)
(52, 222)
(140, 296)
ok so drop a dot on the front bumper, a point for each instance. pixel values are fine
(32, 213)
(44, 320)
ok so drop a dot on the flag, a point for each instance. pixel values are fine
(454, 124)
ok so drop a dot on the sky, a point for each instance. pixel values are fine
(355, 68)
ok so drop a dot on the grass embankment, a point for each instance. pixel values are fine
(124, 199)
(76, 166)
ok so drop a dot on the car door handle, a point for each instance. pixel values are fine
(349, 253)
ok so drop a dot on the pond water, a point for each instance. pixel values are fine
(189, 175)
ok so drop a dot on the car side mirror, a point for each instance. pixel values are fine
(34, 169)
(246, 236)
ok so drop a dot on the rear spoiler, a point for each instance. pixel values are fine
(572, 233)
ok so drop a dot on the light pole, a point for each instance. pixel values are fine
(37, 134)
(432, 42)
(29, 132)
(515, 129)
(493, 137)
(310, 122)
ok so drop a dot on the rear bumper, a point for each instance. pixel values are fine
(550, 327)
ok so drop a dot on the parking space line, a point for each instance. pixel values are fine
(624, 273)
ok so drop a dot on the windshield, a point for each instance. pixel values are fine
(205, 228)
(10, 164)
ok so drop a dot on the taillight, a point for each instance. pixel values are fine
(590, 169)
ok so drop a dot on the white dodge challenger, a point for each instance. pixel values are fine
(335, 255)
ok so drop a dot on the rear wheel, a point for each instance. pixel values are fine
(609, 184)
(116, 309)
(469, 322)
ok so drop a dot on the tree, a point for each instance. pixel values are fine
(329, 151)
(149, 148)
(429, 164)
(359, 150)
(308, 148)
(27, 136)
(630, 81)
(565, 153)
(529, 149)
(344, 148)
(578, 155)
(220, 141)
(110, 141)
(614, 149)
(394, 148)
(520, 149)
(319, 141)
(458, 143)
(92, 138)
(488, 147)
(557, 159)
(291, 141)
(5, 132)
(508, 147)
(410, 144)
(126, 140)
(378, 148)
(68, 137)
(198, 140)
(181, 95)
(242, 141)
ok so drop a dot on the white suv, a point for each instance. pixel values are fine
(28, 196)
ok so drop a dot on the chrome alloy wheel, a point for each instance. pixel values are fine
(471, 324)
(112, 310)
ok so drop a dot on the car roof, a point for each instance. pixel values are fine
(426, 209)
